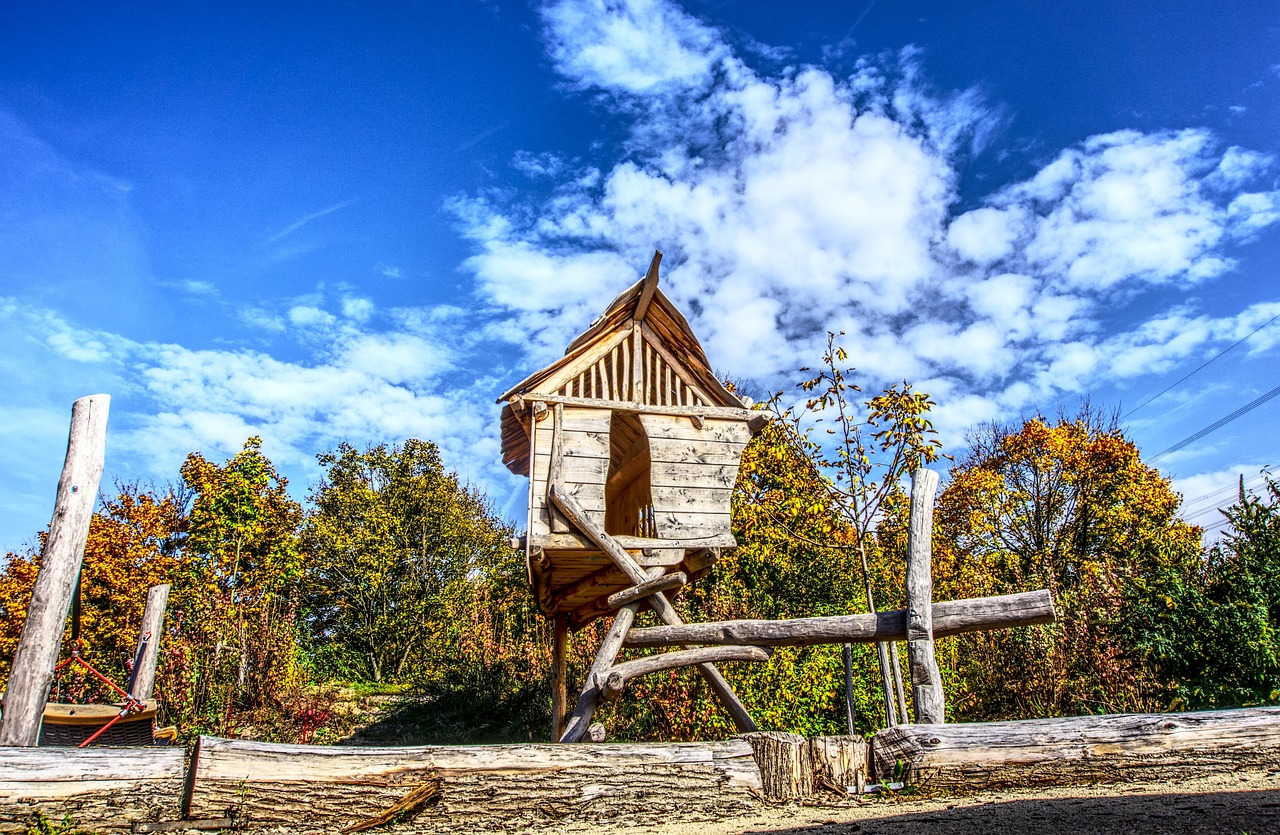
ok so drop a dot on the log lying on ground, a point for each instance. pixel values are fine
(103, 789)
(950, 617)
(1079, 749)
(480, 787)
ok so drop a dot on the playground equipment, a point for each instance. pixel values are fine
(632, 446)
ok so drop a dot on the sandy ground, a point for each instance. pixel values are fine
(1247, 802)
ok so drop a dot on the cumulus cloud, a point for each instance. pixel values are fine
(800, 202)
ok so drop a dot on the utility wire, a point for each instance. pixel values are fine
(1200, 368)
(1217, 424)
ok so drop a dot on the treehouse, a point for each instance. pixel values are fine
(631, 425)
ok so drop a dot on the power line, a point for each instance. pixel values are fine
(1217, 424)
(1201, 367)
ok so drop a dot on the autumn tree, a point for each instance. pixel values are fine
(858, 461)
(1070, 506)
(237, 595)
(393, 539)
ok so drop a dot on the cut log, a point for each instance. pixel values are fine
(507, 787)
(784, 763)
(151, 631)
(103, 789)
(840, 764)
(617, 677)
(951, 617)
(559, 676)
(741, 718)
(37, 652)
(643, 590)
(926, 680)
(1079, 749)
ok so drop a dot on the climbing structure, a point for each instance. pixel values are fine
(631, 445)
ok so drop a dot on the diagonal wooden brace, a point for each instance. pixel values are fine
(579, 519)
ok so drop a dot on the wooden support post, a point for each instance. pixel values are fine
(37, 653)
(558, 525)
(151, 631)
(926, 681)
(576, 727)
(559, 676)
(577, 516)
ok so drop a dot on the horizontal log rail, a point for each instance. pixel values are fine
(618, 675)
(951, 617)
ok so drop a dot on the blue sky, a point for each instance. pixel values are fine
(324, 222)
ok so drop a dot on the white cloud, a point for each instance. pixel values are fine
(630, 45)
(793, 204)
(357, 309)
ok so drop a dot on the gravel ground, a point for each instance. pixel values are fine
(1246, 802)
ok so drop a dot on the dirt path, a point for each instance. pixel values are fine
(1235, 803)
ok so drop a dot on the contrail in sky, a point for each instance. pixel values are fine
(305, 219)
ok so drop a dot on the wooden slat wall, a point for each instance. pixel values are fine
(583, 470)
(693, 473)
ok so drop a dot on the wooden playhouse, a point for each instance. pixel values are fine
(633, 424)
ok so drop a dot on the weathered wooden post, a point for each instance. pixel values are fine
(926, 681)
(151, 630)
(559, 676)
(37, 653)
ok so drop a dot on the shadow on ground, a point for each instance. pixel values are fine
(1251, 812)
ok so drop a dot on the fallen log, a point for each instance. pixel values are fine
(479, 787)
(103, 789)
(1078, 749)
(951, 617)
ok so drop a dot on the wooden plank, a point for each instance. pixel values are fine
(669, 427)
(41, 638)
(693, 474)
(647, 289)
(710, 453)
(483, 788)
(951, 617)
(571, 370)
(573, 468)
(152, 631)
(635, 407)
(1079, 749)
(575, 541)
(926, 680)
(741, 718)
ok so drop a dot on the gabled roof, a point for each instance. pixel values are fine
(643, 307)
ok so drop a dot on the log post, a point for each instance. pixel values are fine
(784, 762)
(577, 725)
(559, 676)
(151, 630)
(37, 653)
(926, 681)
(666, 612)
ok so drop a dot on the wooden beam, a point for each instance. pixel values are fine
(636, 592)
(738, 711)
(649, 288)
(618, 676)
(926, 680)
(950, 617)
(579, 721)
(559, 676)
(37, 652)
(1079, 749)
(633, 407)
(554, 476)
(151, 631)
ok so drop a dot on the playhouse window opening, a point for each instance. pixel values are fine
(628, 500)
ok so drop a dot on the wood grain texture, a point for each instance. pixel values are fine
(32, 670)
(1080, 749)
(926, 679)
(152, 630)
(950, 617)
(482, 787)
(103, 789)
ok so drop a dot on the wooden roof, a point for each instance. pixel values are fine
(642, 308)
